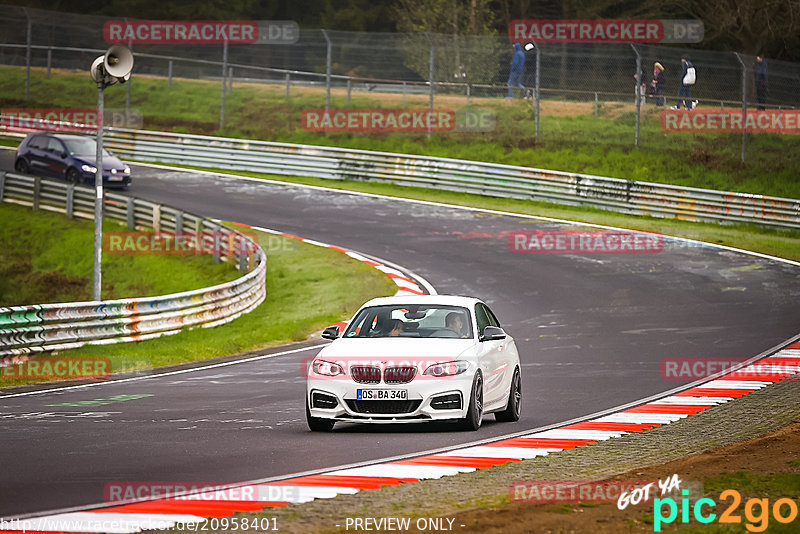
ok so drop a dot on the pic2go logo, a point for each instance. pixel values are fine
(756, 511)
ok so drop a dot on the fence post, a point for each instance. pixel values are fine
(37, 188)
(537, 92)
(595, 104)
(224, 70)
(28, 54)
(230, 80)
(744, 105)
(404, 95)
(349, 87)
(430, 80)
(638, 93)
(169, 74)
(327, 72)
(288, 82)
(129, 213)
(2, 184)
(468, 95)
(49, 61)
(70, 205)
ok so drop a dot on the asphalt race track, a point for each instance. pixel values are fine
(591, 330)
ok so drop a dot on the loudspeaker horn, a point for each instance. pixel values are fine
(96, 71)
(118, 61)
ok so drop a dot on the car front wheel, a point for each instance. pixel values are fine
(511, 413)
(318, 425)
(21, 166)
(73, 176)
(475, 411)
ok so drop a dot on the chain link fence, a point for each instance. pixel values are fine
(422, 64)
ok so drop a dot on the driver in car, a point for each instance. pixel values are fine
(455, 321)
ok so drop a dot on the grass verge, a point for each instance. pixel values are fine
(47, 257)
(571, 137)
(308, 288)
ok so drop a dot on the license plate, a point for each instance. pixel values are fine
(382, 394)
(114, 178)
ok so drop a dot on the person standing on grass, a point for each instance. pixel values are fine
(688, 77)
(657, 84)
(761, 82)
(517, 66)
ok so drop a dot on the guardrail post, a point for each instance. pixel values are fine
(169, 74)
(242, 255)
(70, 205)
(217, 245)
(130, 215)
(49, 60)
(251, 261)
(2, 184)
(37, 188)
(179, 221)
(157, 218)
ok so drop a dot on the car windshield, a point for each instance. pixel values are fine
(412, 320)
(82, 146)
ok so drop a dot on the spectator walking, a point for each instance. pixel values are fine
(517, 66)
(688, 77)
(761, 82)
(657, 84)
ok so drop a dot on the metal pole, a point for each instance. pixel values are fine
(327, 72)
(467, 95)
(538, 95)
(169, 74)
(98, 200)
(349, 88)
(404, 95)
(595, 104)
(287, 85)
(744, 105)
(638, 92)
(28, 55)
(224, 70)
(49, 61)
(128, 98)
(230, 80)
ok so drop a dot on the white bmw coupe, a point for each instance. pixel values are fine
(415, 358)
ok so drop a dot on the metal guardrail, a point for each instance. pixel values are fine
(626, 196)
(47, 327)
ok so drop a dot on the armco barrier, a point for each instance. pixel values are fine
(638, 198)
(47, 327)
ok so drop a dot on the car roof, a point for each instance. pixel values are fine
(449, 300)
(60, 135)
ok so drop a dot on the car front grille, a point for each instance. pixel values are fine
(400, 374)
(383, 406)
(366, 374)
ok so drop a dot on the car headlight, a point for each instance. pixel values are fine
(325, 368)
(88, 168)
(126, 170)
(447, 368)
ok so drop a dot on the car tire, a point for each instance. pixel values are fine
(73, 176)
(475, 411)
(511, 413)
(21, 166)
(316, 424)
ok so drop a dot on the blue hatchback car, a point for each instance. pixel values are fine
(68, 156)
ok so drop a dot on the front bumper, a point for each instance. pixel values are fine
(428, 399)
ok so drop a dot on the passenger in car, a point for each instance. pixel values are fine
(455, 321)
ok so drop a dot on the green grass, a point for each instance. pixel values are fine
(573, 141)
(308, 288)
(776, 242)
(47, 257)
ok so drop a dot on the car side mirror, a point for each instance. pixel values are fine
(63, 155)
(491, 333)
(332, 332)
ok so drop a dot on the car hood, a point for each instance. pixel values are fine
(399, 348)
(109, 162)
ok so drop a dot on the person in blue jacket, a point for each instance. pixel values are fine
(686, 88)
(517, 66)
